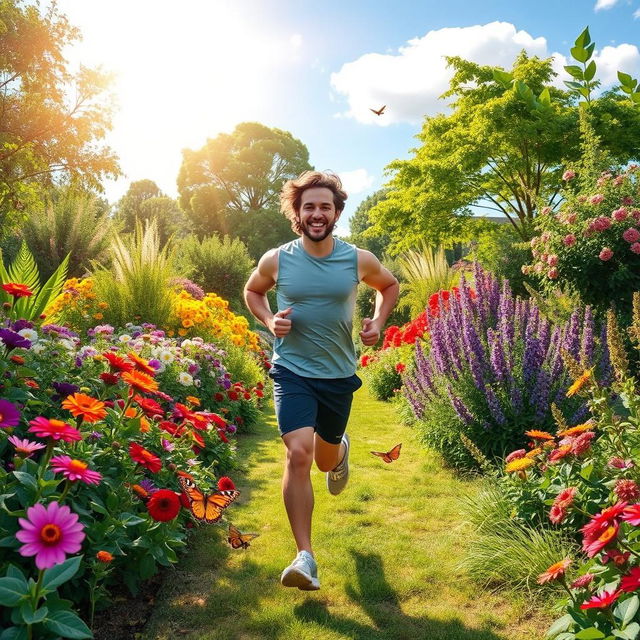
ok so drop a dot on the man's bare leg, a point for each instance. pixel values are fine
(296, 484)
(327, 455)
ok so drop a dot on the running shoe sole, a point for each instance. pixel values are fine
(294, 577)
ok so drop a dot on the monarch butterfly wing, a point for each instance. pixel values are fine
(394, 454)
(195, 496)
(380, 454)
(234, 537)
(216, 503)
(246, 538)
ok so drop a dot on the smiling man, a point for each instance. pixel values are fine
(314, 359)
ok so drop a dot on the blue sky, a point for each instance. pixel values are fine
(190, 70)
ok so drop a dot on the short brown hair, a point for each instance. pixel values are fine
(292, 190)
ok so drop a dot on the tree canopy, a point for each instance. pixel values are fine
(52, 119)
(231, 185)
(495, 153)
(361, 229)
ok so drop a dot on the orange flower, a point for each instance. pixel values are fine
(579, 383)
(84, 406)
(141, 492)
(573, 431)
(538, 435)
(145, 427)
(533, 453)
(104, 556)
(130, 413)
(193, 400)
(140, 381)
(519, 464)
(140, 363)
(555, 571)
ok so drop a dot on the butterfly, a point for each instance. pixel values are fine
(389, 456)
(239, 540)
(206, 507)
(379, 111)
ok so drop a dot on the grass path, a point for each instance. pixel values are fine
(388, 550)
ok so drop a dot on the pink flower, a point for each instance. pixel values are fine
(52, 428)
(515, 455)
(25, 447)
(635, 214)
(602, 223)
(570, 218)
(602, 601)
(582, 443)
(569, 240)
(75, 470)
(568, 175)
(552, 260)
(631, 514)
(619, 215)
(635, 247)
(597, 199)
(606, 254)
(545, 211)
(627, 200)
(618, 180)
(619, 558)
(50, 534)
(557, 514)
(626, 489)
(546, 236)
(631, 235)
(619, 463)
(565, 497)
(552, 273)
(583, 581)
(167, 445)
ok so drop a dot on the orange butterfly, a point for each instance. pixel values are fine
(206, 507)
(379, 111)
(239, 540)
(389, 456)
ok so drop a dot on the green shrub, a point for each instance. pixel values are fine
(382, 370)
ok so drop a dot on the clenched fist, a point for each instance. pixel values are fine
(370, 333)
(279, 324)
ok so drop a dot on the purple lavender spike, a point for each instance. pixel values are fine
(587, 342)
(494, 406)
(460, 408)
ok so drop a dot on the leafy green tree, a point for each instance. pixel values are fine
(70, 223)
(361, 227)
(501, 148)
(52, 120)
(234, 177)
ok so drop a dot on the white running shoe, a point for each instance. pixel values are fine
(338, 477)
(302, 573)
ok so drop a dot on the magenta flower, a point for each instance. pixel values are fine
(25, 447)
(75, 470)
(569, 240)
(52, 428)
(619, 215)
(606, 254)
(50, 534)
(515, 455)
(167, 445)
(9, 414)
(631, 235)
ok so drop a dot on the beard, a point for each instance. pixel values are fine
(314, 236)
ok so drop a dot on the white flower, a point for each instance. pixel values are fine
(185, 379)
(67, 344)
(197, 382)
(124, 338)
(186, 343)
(29, 334)
(38, 347)
(166, 356)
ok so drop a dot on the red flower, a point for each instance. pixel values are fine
(226, 484)
(400, 367)
(150, 407)
(557, 514)
(627, 489)
(116, 362)
(604, 519)
(164, 505)
(17, 290)
(141, 364)
(631, 582)
(172, 428)
(109, 378)
(605, 599)
(555, 571)
(184, 500)
(591, 546)
(619, 558)
(222, 436)
(218, 397)
(232, 395)
(17, 359)
(144, 458)
(631, 515)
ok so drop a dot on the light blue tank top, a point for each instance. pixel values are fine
(322, 294)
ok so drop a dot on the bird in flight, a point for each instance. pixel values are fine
(379, 111)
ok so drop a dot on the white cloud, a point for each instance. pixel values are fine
(296, 40)
(356, 181)
(411, 81)
(605, 4)
(636, 13)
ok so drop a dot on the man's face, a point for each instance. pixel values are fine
(318, 215)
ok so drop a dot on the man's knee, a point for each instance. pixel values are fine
(299, 458)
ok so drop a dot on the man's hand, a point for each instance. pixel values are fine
(370, 333)
(279, 324)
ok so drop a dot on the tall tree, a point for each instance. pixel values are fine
(231, 185)
(496, 152)
(362, 232)
(51, 120)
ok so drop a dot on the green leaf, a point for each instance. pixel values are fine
(581, 55)
(14, 572)
(502, 77)
(630, 633)
(573, 85)
(626, 80)
(636, 97)
(99, 508)
(590, 634)
(26, 479)
(12, 590)
(129, 519)
(561, 624)
(68, 625)
(586, 471)
(33, 617)
(590, 71)
(625, 610)
(60, 573)
(575, 71)
(147, 566)
(583, 39)
(545, 97)
(10, 541)
(51, 289)
(15, 633)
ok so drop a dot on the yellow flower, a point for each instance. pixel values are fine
(580, 383)
(580, 428)
(533, 453)
(98, 316)
(519, 465)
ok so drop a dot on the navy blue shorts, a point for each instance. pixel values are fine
(322, 403)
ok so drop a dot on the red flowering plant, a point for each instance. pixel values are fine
(591, 243)
(584, 480)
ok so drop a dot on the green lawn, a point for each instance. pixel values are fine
(388, 551)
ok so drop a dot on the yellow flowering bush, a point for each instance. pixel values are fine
(77, 305)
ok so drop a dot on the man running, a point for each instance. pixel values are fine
(314, 360)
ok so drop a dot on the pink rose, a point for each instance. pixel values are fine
(568, 175)
(602, 223)
(619, 214)
(552, 260)
(569, 240)
(631, 235)
(552, 273)
(545, 237)
(597, 199)
(582, 198)
(543, 257)
(635, 247)
(636, 214)
(627, 200)
(606, 254)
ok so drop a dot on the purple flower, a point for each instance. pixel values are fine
(460, 408)
(63, 389)
(494, 406)
(148, 485)
(587, 343)
(9, 414)
(13, 340)
(231, 428)
(156, 364)
(21, 324)
(94, 435)
(59, 330)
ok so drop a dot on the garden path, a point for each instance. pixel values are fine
(388, 551)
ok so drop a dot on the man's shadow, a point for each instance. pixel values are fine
(371, 591)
